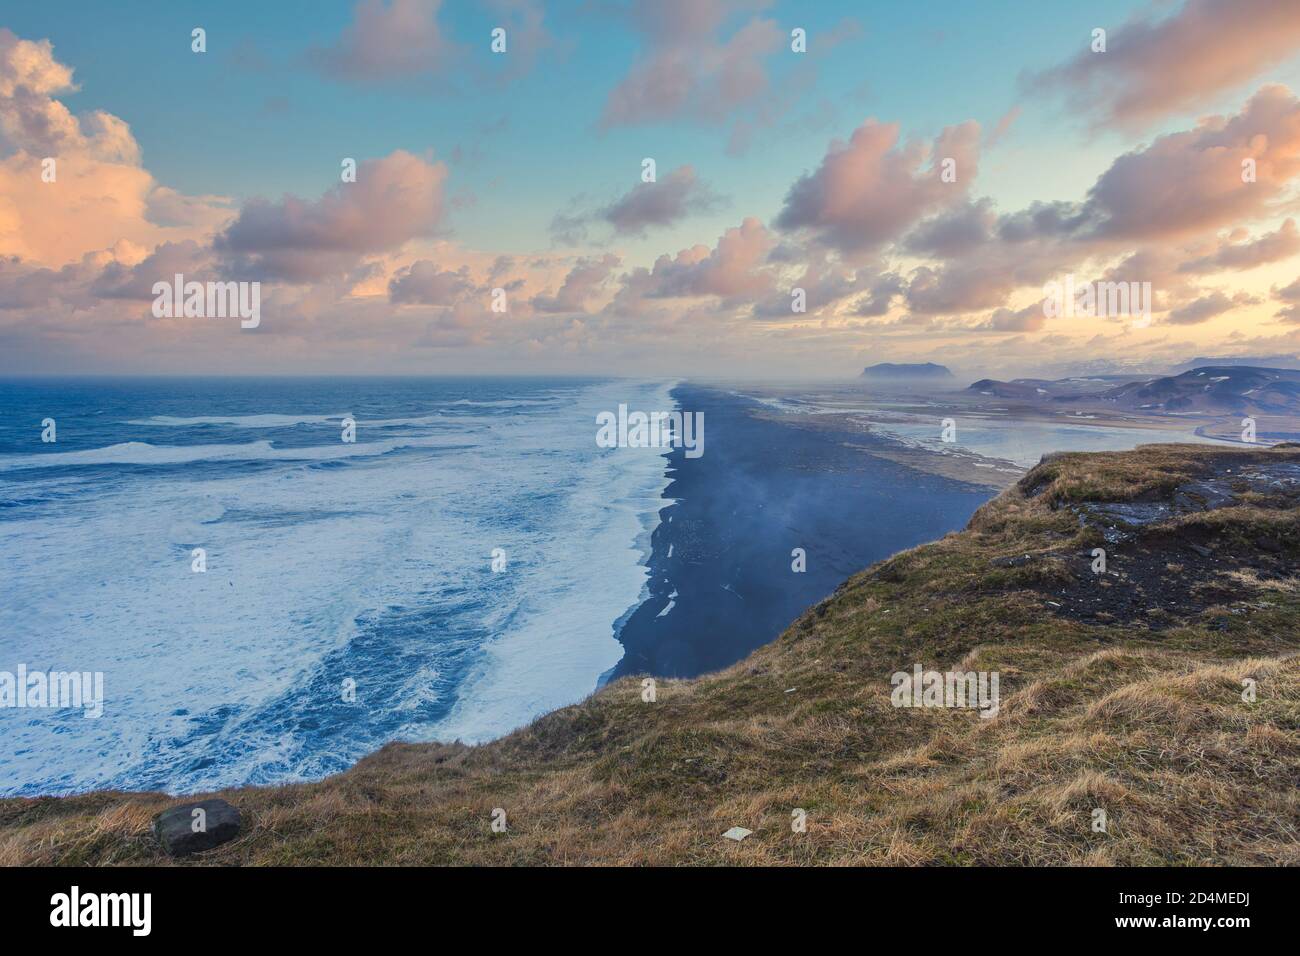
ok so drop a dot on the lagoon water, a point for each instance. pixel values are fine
(1025, 442)
(326, 562)
(1020, 441)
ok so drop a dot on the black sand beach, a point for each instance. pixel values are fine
(722, 551)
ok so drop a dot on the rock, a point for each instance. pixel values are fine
(1117, 521)
(1202, 496)
(1015, 561)
(1132, 513)
(182, 831)
(737, 833)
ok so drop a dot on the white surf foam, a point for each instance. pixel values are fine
(241, 421)
(143, 453)
(554, 653)
(296, 556)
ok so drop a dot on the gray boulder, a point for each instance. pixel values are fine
(181, 830)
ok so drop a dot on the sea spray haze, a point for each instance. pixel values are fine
(345, 594)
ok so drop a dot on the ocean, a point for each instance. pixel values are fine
(349, 597)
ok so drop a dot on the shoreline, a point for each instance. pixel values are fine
(720, 574)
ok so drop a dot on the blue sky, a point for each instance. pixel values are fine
(252, 118)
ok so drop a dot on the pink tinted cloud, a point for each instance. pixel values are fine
(388, 41)
(1152, 68)
(1207, 307)
(584, 281)
(424, 283)
(395, 199)
(731, 269)
(688, 70)
(1193, 180)
(99, 195)
(666, 201)
(868, 191)
(661, 203)
(1283, 243)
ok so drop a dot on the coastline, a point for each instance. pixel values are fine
(612, 781)
(720, 579)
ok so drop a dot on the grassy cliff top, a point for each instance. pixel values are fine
(1120, 691)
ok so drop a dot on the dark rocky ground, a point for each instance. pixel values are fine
(1173, 555)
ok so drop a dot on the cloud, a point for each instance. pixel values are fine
(867, 191)
(825, 284)
(1179, 190)
(1193, 180)
(661, 203)
(388, 41)
(583, 281)
(976, 284)
(1271, 247)
(1158, 265)
(688, 71)
(1028, 319)
(646, 206)
(526, 36)
(569, 229)
(1152, 68)
(1291, 295)
(730, 270)
(391, 41)
(954, 232)
(883, 290)
(99, 195)
(124, 273)
(1003, 126)
(423, 283)
(1205, 308)
(167, 207)
(452, 330)
(33, 121)
(22, 287)
(395, 199)
(119, 280)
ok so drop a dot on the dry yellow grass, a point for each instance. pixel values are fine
(1148, 726)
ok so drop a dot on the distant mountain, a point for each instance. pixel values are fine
(1212, 390)
(1096, 368)
(1269, 361)
(1054, 390)
(1215, 389)
(1025, 388)
(906, 372)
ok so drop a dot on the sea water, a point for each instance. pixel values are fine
(349, 597)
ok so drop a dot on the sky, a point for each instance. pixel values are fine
(915, 176)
